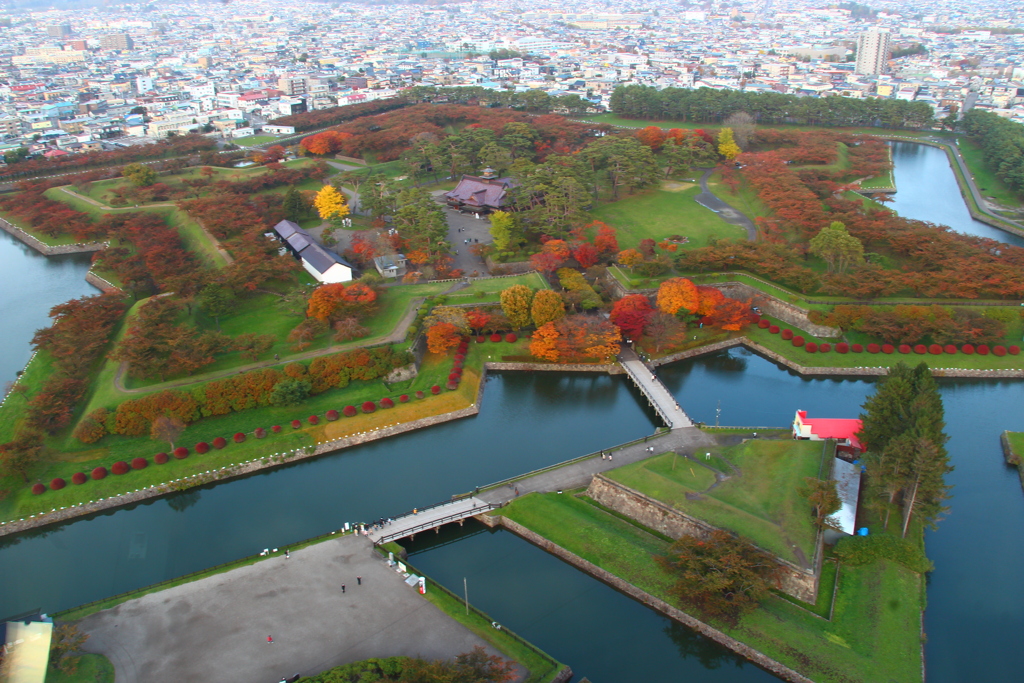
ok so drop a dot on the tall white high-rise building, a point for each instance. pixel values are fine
(873, 50)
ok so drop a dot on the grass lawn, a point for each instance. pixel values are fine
(759, 501)
(1016, 442)
(873, 636)
(613, 120)
(250, 140)
(489, 291)
(659, 213)
(799, 355)
(37, 371)
(988, 183)
(883, 181)
(92, 668)
(744, 199)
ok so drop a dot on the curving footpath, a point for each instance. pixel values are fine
(709, 201)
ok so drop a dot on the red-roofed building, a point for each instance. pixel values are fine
(844, 431)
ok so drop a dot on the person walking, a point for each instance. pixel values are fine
(342, 589)
(287, 555)
(270, 640)
(359, 581)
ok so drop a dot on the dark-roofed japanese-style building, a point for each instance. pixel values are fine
(480, 194)
(324, 265)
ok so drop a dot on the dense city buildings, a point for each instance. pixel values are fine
(219, 68)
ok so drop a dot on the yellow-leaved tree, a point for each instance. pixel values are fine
(727, 146)
(547, 307)
(331, 204)
(678, 293)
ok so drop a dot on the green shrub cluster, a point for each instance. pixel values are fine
(366, 671)
(861, 550)
(573, 281)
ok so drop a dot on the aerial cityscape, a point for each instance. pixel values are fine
(526, 341)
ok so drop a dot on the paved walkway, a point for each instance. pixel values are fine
(431, 518)
(650, 386)
(708, 200)
(685, 441)
(216, 629)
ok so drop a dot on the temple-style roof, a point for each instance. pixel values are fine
(485, 193)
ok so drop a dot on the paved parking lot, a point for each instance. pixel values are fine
(216, 629)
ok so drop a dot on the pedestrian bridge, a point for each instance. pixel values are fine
(432, 517)
(653, 390)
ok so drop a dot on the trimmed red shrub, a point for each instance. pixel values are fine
(842, 347)
(982, 349)
(220, 442)
(935, 349)
(404, 398)
(56, 484)
(481, 339)
(260, 432)
(296, 424)
(387, 403)
(369, 407)
(420, 394)
(459, 357)
(79, 478)
(811, 347)
(349, 411)
(764, 324)
(967, 348)
(787, 334)
(457, 364)
(435, 390)
(904, 348)
(180, 452)
(756, 318)
(99, 473)
(950, 348)
(773, 329)
(332, 415)
(1014, 350)
(888, 348)
(120, 467)
(920, 349)
(239, 437)
(276, 429)
(798, 341)
(161, 458)
(139, 463)
(825, 347)
(313, 420)
(452, 376)
(999, 350)
(857, 348)
(511, 338)
(874, 348)
(202, 447)
(452, 386)
(38, 489)
(495, 337)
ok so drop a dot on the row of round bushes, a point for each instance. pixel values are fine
(934, 349)
(510, 338)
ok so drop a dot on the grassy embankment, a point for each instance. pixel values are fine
(92, 668)
(989, 184)
(659, 214)
(873, 634)
(1016, 455)
(759, 500)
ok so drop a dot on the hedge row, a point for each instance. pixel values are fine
(921, 349)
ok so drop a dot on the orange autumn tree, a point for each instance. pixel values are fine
(678, 293)
(337, 300)
(559, 248)
(652, 136)
(544, 343)
(605, 241)
(576, 338)
(441, 337)
(478, 319)
(708, 299)
(730, 314)
(630, 258)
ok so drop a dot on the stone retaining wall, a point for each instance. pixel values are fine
(514, 268)
(609, 368)
(800, 582)
(101, 284)
(46, 249)
(654, 603)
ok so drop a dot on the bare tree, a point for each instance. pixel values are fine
(167, 428)
(743, 126)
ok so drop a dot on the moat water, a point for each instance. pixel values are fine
(527, 421)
